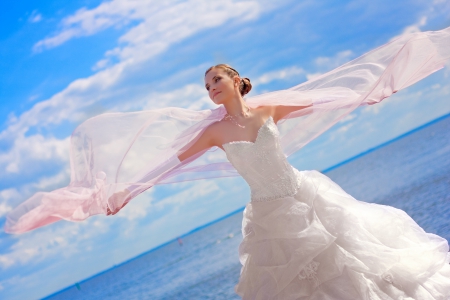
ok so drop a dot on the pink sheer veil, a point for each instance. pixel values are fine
(110, 150)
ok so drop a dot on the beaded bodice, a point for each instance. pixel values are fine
(263, 164)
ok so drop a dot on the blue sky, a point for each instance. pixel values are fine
(63, 62)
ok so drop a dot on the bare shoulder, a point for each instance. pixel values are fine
(214, 130)
(206, 140)
(266, 111)
(214, 127)
(279, 112)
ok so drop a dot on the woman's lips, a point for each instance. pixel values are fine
(216, 94)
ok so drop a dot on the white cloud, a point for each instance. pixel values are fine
(416, 27)
(161, 29)
(423, 103)
(57, 241)
(278, 75)
(4, 209)
(436, 9)
(35, 17)
(335, 61)
(27, 152)
(160, 23)
(39, 245)
(348, 118)
(8, 196)
(311, 76)
(136, 210)
(325, 63)
(141, 206)
(65, 105)
(100, 64)
(52, 182)
(191, 96)
(11, 197)
(345, 127)
(378, 107)
(413, 28)
(200, 189)
(321, 63)
(447, 69)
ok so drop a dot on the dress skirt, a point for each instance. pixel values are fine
(322, 243)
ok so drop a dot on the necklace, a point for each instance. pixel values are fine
(233, 120)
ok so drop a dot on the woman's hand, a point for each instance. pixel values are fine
(375, 102)
(122, 196)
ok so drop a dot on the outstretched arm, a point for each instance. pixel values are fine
(279, 112)
(205, 141)
(371, 102)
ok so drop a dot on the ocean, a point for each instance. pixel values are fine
(411, 173)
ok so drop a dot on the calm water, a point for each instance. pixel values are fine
(412, 173)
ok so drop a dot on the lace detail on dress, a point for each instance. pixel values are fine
(287, 186)
(309, 272)
(263, 165)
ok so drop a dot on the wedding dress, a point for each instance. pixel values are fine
(306, 238)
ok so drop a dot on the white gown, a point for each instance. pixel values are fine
(306, 238)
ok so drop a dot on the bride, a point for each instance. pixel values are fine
(303, 236)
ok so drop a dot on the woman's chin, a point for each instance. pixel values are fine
(217, 100)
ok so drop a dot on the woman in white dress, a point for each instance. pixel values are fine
(303, 236)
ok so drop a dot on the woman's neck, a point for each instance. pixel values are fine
(237, 107)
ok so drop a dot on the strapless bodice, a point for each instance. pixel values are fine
(263, 164)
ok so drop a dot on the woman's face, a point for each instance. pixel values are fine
(220, 86)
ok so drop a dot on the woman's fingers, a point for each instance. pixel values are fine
(118, 209)
(122, 195)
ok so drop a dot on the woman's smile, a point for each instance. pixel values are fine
(214, 95)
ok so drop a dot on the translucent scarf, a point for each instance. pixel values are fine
(114, 151)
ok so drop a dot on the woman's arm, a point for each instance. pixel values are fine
(279, 112)
(205, 141)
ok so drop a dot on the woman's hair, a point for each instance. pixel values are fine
(244, 87)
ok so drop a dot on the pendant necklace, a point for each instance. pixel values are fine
(233, 120)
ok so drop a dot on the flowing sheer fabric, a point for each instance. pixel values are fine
(111, 151)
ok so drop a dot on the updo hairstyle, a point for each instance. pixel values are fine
(244, 86)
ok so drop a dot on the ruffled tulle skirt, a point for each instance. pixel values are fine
(323, 244)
